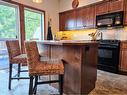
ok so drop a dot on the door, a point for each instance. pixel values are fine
(79, 18)
(34, 24)
(90, 17)
(102, 8)
(116, 5)
(9, 29)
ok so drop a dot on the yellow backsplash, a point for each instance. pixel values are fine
(83, 34)
(74, 35)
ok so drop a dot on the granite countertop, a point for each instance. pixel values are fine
(68, 42)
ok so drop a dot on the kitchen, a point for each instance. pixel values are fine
(77, 23)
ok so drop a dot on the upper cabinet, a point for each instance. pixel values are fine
(89, 17)
(109, 6)
(67, 20)
(62, 20)
(85, 17)
(116, 5)
(125, 12)
(102, 8)
(78, 19)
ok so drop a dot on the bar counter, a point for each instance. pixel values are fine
(80, 61)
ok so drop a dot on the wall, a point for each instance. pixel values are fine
(67, 4)
(51, 7)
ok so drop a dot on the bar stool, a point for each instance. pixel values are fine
(38, 68)
(15, 57)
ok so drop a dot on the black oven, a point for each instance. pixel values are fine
(108, 55)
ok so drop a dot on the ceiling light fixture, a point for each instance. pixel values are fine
(37, 1)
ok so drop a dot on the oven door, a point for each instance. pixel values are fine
(108, 57)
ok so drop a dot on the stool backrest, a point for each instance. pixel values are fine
(13, 48)
(32, 53)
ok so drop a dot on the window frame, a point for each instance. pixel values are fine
(17, 19)
(42, 22)
(21, 21)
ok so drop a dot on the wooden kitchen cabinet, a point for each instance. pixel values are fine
(123, 56)
(67, 20)
(89, 17)
(62, 20)
(70, 21)
(116, 5)
(125, 12)
(79, 18)
(102, 8)
(109, 6)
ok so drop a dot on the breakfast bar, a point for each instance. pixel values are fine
(80, 61)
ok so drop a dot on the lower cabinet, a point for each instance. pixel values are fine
(123, 57)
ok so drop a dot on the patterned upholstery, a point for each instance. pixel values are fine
(37, 67)
(15, 56)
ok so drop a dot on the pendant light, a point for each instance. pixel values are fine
(37, 1)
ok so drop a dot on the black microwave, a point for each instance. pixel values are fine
(110, 20)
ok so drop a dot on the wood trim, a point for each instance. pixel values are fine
(22, 27)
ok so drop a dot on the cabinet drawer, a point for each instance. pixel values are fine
(123, 45)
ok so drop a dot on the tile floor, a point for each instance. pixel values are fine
(107, 84)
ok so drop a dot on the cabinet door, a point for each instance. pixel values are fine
(79, 19)
(102, 8)
(90, 17)
(70, 23)
(123, 57)
(62, 20)
(116, 5)
(125, 12)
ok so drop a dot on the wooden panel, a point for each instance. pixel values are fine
(62, 20)
(79, 18)
(123, 59)
(125, 12)
(80, 69)
(116, 5)
(123, 56)
(70, 21)
(102, 8)
(90, 16)
(123, 45)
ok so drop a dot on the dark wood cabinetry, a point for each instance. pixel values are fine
(62, 20)
(116, 5)
(123, 56)
(125, 12)
(102, 8)
(84, 17)
(67, 20)
(89, 17)
(78, 19)
(109, 6)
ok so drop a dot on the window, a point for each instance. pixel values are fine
(9, 22)
(34, 24)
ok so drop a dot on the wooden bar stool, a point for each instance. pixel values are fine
(15, 57)
(38, 68)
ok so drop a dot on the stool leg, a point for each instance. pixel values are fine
(36, 80)
(31, 85)
(18, 70)
(10, 76)
(61, 84)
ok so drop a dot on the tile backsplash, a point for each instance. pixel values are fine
(120, 34)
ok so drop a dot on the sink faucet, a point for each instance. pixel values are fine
(101, 34)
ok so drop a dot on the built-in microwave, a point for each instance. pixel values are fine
(110, 20)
